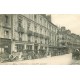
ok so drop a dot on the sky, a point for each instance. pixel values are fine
(70, 21)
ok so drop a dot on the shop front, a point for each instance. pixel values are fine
(5, 45)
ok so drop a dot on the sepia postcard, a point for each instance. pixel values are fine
(39, 39)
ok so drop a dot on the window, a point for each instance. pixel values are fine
(29, 39)
(28, 24)
(41, 42)
(6, 34)
(28, 27)
(41, 30)
(19, 22)
(49, 26)
(45, 41)
(45, 48)
(19, 47)
(35, 27)
(40, 19)
(20, 37)
(45, 31)
(62, 38)
(45, 23)
(63, 44)
(29, 47)
(35, 41)
(35, 17)
(6, 18)
(41, 47)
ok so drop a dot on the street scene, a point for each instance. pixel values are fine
(39, 39)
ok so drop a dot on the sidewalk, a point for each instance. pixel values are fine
(57, 60)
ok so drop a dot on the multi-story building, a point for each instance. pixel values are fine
(33, 32)
(64, 37)
(5, 33)
(67, 39)
(75, 41)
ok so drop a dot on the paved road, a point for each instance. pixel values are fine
(55, 60)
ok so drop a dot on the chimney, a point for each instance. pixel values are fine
(49, 17)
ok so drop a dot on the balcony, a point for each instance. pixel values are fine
(30, 33)
(36, 34)
(20, 29)
(41, 36)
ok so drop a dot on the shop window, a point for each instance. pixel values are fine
(35, 47)
(19, 47)
(29, 47)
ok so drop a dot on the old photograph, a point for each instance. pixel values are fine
(43, 39)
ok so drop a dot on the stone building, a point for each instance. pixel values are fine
(75, 41)
(5, 33)
(67, 39)
(33, 32)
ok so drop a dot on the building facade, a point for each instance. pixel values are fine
(5, 33)
(67, 39)
(33, 32)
